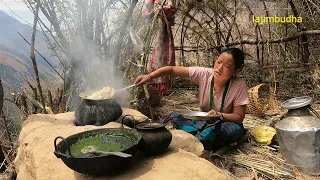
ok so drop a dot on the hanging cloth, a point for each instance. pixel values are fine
(163, 53)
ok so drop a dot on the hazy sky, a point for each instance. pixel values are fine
(19, 8)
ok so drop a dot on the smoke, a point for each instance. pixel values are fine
(94, 71)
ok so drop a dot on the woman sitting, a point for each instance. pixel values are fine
(220, 92)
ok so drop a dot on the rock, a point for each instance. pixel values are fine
(186, 141)
(138, 116)
(36, 160)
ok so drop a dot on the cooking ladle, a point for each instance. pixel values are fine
(133, 85)
(91, 151)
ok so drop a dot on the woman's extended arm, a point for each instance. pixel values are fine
(176, 71)
(236, 116)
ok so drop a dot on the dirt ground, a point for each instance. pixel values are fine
(230, 157)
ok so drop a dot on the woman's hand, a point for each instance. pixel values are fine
(212, 112)
(142, 79)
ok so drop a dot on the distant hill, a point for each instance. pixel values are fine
(14, 52)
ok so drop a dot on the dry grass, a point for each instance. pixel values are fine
(247, 160)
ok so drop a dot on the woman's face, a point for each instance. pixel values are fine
(224, 67)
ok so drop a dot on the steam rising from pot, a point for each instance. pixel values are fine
(93, 72)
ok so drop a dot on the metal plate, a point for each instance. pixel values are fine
(297, 102)
(149, 125)
(198, 115)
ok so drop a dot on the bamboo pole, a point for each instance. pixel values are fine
(269, 30)
(32, 55)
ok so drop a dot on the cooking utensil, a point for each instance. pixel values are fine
(155, 137)
(131, 86)
(93, 151)
(99, 164)
(198, 115)
(97, 112)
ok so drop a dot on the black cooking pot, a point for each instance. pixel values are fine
(100, 164)
(97, 112)
(155, 137)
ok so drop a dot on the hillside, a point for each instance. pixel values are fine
(14, 52)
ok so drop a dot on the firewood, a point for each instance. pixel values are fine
(50, 102)
(34, 102)
(34, 108)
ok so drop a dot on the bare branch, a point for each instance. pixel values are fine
(42, 57)
(32, 56)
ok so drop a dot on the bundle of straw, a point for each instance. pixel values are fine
(266, 167)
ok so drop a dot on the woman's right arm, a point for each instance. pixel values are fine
(176, 71)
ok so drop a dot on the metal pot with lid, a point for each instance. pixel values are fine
(155, 137)
(298, 134)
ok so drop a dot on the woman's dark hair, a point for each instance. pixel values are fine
(238, 56)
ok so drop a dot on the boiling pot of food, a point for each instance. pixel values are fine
(100, 151)
(98, 107)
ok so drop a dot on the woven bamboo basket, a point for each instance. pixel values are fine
(259, 96)
(273, 106)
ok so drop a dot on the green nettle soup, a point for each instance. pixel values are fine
(95, 143)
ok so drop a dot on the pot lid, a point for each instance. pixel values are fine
(149, 125)
(297, 102)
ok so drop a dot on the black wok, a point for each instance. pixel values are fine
(99, 164)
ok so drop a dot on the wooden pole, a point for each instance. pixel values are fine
(32, 55)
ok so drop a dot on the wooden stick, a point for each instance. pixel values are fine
(50, 99)
(254, 42)
(32, 55)
(6, 127)
(2, 159)
(1, 95)
(146, 91)
(33, 101)
(23, 104)
(35, 95)
(2, 114)
(57, 100)
(42, 57)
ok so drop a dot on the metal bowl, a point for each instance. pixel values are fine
(198, 115)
